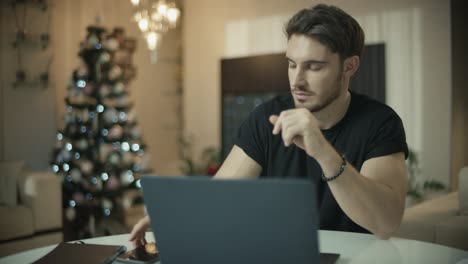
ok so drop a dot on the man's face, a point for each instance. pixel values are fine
(314, 72)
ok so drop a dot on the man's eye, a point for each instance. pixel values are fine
(292, 65)
(315, 67)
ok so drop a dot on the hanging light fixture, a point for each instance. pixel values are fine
(154, 18)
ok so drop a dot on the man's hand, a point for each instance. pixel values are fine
(137, 236)
(299, 127)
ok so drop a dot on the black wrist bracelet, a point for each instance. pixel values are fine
(342, 167)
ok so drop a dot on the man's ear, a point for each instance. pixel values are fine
(350, 65)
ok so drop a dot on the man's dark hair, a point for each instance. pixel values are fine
(331, 26)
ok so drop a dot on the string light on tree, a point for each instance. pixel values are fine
(94, 149)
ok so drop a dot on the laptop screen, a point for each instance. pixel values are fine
(201, 220)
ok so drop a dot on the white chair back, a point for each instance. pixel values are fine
(463, 190)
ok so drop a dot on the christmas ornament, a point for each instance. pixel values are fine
(104, 58)
(92, 40)
(86, 166)
(115, 132)
(104, 90)
(111, 116)
(65, 156)
(104, 151)
(127, 177)
(111, 44)
(76, 175)
(114, 73)
(112, 183)
(114, 158)
(118, 88)
(82, 144)
(106, 203)
(128, 158)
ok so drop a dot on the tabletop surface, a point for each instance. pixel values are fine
(352, 247)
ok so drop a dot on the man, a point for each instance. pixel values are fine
(353, 147)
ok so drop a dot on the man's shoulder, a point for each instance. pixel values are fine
(363, 105)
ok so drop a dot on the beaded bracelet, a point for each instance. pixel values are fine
(342, 167)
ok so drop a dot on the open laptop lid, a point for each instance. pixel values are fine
(200, 220)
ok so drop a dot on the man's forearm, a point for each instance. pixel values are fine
(368, 202)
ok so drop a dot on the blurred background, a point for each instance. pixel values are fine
(164, 97)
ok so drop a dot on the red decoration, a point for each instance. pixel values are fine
(212, 169)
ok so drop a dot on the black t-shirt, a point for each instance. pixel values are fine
(369, 129)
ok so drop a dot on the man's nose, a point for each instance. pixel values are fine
(297, 79)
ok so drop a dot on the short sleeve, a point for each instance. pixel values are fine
(252, 135)
(388, 138)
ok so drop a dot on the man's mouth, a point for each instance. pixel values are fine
(301, 95)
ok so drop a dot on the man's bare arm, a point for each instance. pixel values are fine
(375, 197)
(238, 165)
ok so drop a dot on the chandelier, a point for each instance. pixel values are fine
(154, 18)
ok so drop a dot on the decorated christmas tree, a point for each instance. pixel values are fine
(99, 154)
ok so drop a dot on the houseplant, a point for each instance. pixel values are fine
(419, 190)
(207, 163)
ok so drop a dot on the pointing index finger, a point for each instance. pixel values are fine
(277, 124)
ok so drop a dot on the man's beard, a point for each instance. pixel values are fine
(328, 100)
(335, 93)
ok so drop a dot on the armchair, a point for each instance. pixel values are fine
(442, 220)
(30, 208)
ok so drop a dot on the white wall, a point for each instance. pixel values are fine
(417, 34)
(28, 112)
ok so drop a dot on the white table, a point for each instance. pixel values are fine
(353, 248)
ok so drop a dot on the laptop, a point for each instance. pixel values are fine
(200, 220)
